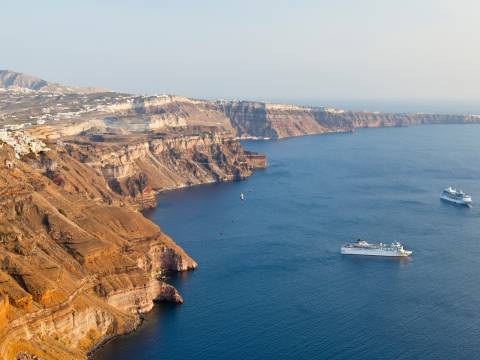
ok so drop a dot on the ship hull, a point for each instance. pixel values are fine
(456, 201)
(374, 252)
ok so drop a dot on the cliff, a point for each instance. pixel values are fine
(264, 120)
(251, 119)
(52, 111)
(77, 265)
(365, 119)
(137, 167)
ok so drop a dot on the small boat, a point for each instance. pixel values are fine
(241, 196)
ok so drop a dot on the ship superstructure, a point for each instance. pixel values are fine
(456, 196)
(361, 247)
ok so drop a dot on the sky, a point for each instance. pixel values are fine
(346, 50)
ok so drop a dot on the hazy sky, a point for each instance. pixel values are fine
(263, 49)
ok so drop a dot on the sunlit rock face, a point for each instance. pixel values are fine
(77, 263)
(144, 165)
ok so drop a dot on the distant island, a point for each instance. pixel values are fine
(80, 263)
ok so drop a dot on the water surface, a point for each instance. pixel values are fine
(271, 283)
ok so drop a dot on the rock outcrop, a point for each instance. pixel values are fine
(77, 264)
(140, 166)
(251, 119)
(277, 121)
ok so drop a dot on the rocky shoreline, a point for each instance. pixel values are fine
(79, 263)
(99, 345)
(94, 264)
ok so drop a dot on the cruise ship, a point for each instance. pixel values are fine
(361, 247)
(456, 196)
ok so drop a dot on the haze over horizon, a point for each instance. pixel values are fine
(270, 50)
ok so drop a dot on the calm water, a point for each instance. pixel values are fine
(271, 283)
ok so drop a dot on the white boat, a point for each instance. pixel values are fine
(456, 196)
(241, 196)
(361, 247)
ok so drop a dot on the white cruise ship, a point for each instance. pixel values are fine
(456, 196)
(361, 247)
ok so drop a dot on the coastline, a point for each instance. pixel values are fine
(295, 251)
(141, 319)
(99, 346)
(112, 174)
(109, 338)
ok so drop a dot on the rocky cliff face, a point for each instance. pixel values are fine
(364, 119)
(263, 120)
(166, 111)
(77, 264)
(64, 111)
(147, 164)
(250, 119)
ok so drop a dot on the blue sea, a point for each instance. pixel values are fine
(271, 282)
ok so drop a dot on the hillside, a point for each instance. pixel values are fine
(11, 80)
(69, 111)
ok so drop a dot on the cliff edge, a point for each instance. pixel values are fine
(74, 269)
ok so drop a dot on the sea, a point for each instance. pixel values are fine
(271, 282)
